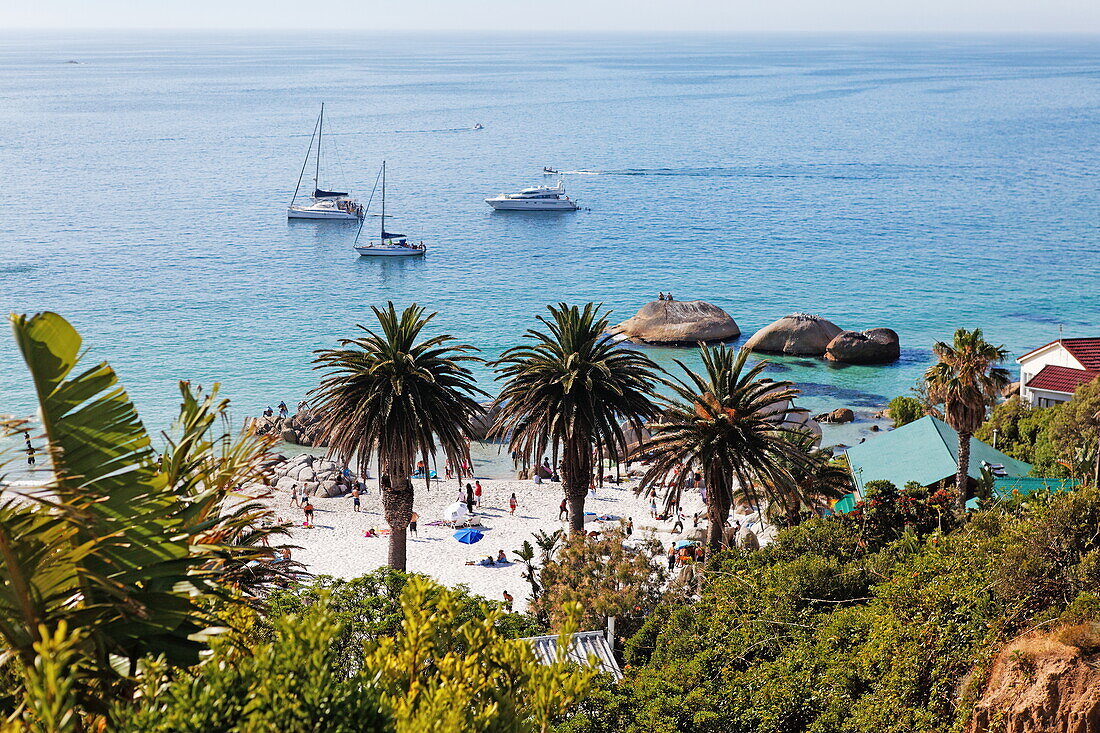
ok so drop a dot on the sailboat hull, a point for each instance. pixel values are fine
(305, 212)
(389, 251)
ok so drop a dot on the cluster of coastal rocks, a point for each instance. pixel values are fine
(312, 475)
(300, 429)
(804, 334)
(675, 322)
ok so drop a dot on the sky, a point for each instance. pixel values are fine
(716, 16)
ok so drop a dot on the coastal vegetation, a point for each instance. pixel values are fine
(1059, 441)
(391, 396)
(904, 409)
(967, 381)
(144, 589)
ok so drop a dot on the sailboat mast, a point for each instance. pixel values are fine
(383, 235)
(317, 170)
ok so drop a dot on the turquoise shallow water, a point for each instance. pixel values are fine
(920, 184)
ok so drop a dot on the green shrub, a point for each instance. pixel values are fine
(904, 410)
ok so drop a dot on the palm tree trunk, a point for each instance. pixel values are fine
(397, 503)
(961, 477)
(576, 474)
(719, 502)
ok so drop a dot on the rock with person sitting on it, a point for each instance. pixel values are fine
(679, 322)
(799, 334)
(873, 346)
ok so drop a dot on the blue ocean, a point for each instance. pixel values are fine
(921, 184)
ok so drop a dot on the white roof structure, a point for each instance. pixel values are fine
(583, 646)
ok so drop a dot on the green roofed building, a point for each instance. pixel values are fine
(1025, 485)
(925, 451)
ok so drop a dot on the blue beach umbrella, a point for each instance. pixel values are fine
(469, 535)
(685, 543)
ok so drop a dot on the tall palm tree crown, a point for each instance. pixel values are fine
(572, 387)
(967, 380)
(727, 423)
(397, 397)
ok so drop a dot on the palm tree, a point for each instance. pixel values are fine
(396, 397)
(809, 478)
(966, 379)
(572, 388)
(727, 423)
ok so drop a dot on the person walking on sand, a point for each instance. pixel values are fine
(508, 599)
(294, 495)
(307, 508)
(469, 498)
(413, 518)
(653, 508)
(629, 526)
(671, 556)
(355, 499)
(512, 503)
(448, 471)
(477, 493)
(563, 511)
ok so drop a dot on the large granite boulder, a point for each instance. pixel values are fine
(482, 424)
(676, 322)
(799, 334)
(873, 346)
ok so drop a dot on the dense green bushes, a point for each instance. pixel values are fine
(877, 621)
(904, 410)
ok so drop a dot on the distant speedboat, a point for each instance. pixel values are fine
(479, 126)
(540, 198)
(323, 204)
(389, 244)
(549, 171)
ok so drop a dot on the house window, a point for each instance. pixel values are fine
(1048, 402)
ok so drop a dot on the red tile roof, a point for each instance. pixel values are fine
(1061, 379)
(1086, 351)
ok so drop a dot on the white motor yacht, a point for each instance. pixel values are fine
(540, 198)
(323, 204)
(389, 244)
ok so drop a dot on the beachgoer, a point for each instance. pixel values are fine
(283, 409)
(508, 599)
(30, 450)
(512, 503)
(286, 554)
(268, 412)
(307, 508)
(448, 471)
(294, 495)
(695, 520)
(477, 492)
(629, 526)
(653, 508)
(678, 527)
(671, 557)
(355, 499)
(413, 518)
(470, 498)
(502, 559)
(538, 477)
(563, 511)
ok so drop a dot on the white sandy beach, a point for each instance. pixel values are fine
(336, 545)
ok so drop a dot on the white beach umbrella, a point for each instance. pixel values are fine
(455, 512)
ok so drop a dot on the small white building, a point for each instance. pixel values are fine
(1050, 373)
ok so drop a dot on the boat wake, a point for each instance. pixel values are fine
(853, 171)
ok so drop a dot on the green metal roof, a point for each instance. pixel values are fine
(925, 451)
(1025, 485)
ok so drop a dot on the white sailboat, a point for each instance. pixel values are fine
(323, 204)
(389, 244)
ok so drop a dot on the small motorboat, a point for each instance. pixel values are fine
(550, 171)
(479, 126)
(389, 244)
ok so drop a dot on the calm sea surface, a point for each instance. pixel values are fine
(919, 184)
